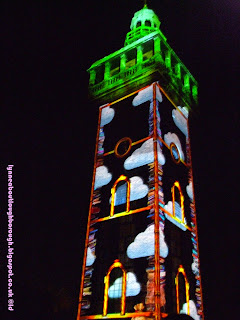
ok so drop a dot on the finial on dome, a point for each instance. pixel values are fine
(145, 4)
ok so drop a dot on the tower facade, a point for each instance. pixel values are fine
(141, 254)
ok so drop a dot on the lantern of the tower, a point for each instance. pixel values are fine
(144, 22)
(141, 254)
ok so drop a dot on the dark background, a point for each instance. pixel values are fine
(48, 128)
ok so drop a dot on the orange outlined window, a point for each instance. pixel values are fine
(178, 213)
(116, 264)
(113, 194)
(182, 271)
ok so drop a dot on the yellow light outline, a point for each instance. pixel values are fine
(113, 192)
(181, 270)
(177, 185)
(116, 264)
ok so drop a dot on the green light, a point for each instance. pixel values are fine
(145, 57)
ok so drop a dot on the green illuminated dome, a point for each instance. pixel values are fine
(144, 22)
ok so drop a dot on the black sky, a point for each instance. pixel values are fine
(48, 128)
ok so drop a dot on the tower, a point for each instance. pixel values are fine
(141, 254)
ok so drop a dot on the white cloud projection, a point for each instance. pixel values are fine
(102, 178)
(189, 189)
(138, 190)
(195, 268)
(173, 138)
(180, 121)
(178, 213)
(193, 310)
(106, 116)
(146, 95)
(184, 110)
(90, 257)
(143, 155)
(133, 288)
(143, 245)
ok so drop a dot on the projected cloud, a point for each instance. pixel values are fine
(133, 287)
(143, 155)
(138, 190)
(90, 257)
(193, 310)
(178, 210)
(180, 121)
(146, 95)
(178, 213)
(184, 110)
(103, 177)
(195, 268)
(107, 116)
(173, 138)
(189, 189)
(143, 245)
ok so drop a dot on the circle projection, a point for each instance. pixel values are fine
(123, 147)
(175, 153)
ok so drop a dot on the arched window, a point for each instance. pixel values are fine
(116, 264)
(138, 24)
(182, 271)
(113, 194)
(178, 212)
(148, 23)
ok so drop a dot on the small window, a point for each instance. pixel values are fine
(138, 24)
(148, 23)
(115, 67)
(148, 50)
(131, 58)
(99, 74)
(125, 192)
(178, 210)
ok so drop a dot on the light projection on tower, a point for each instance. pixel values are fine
(180, 120)
(146, 95)
(143, 245)
(195, 268)
(107, 116)
(90, 258)
(193, 310)
(189, 189)
(178, 214)
(142, 229)
(173, 138)
(138, 190)
(133, 287)
(103, 177)
(143, 155)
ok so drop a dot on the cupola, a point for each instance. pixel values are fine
(144, 21)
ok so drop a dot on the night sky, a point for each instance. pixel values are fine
(48, 129)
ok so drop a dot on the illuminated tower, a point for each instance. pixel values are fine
(141, 252)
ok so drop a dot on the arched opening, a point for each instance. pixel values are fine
(138, 24)
(178, 212)
(182, 271)
(127, 194)
(131, 58)
(148, 23)
(116, 264)
(148, 48)
(115, 66)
